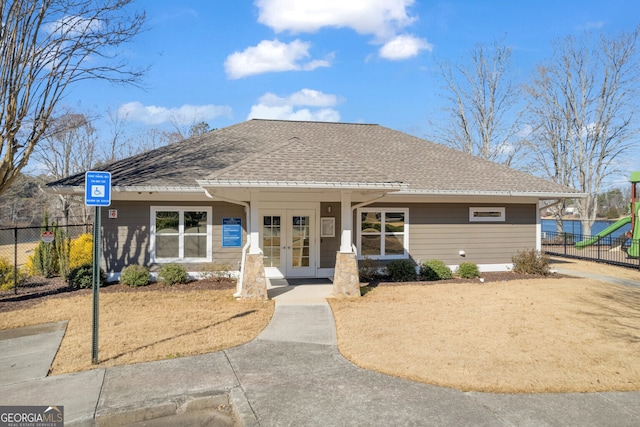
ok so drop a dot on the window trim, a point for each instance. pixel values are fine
(474, 210)
(181, 210)
(384, 210)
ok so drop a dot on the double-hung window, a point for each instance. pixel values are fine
(384, 233)
(181, 234)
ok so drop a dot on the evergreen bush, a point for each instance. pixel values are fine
(370, 269)
(468, 270)
(81, 277)
(402, 270)
(171, 274)
(134, 275)
(435, 270)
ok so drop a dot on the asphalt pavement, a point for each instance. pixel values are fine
(291, 375)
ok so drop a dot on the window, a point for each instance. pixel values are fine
(181, 234)
(384, 233)
(486, 214)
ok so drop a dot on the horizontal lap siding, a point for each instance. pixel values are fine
(126, 238)
(440, 231)
(330, 245)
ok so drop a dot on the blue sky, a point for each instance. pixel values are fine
(371, 61)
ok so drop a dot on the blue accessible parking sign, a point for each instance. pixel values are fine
(97, 188)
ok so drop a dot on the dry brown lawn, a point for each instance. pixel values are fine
(522, 336)
(144, 326)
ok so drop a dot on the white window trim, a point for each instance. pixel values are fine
(405, 211)
(474, 210)
(181, 210)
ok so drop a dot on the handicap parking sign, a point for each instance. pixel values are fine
(97, 188)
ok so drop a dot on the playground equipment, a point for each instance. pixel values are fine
(634, 234)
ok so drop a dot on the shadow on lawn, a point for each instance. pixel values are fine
(204, 328)
(617, 313)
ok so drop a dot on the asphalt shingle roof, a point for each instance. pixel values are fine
(294, 151)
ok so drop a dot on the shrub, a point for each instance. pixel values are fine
(61, 245)
(81, 277)
(44, 261)
(530, 262)
(402, 270)
(369, 269)
(435, 270)
(81, 250)
(7, 272)
(468, 270)
(171, 274)
(134, 275)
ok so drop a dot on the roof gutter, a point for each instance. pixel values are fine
(386, 186)
(537, 194)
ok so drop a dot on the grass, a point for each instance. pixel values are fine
(145, 326)
(521, 336)
(525, 336)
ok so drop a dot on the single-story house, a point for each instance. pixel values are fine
(276, 199)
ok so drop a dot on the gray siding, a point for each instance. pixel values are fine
(126, 238)
(440, 231)
(330, 245)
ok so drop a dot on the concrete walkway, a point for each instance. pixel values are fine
(293, 375)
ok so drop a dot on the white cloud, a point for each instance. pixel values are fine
(269, 56)
(184, 115)
(271, 106)
(404, 47)
(379, 17)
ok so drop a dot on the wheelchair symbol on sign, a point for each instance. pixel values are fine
(97, 190)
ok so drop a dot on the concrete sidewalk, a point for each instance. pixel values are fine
(293, 375)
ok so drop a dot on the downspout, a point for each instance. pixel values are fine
(246, 245)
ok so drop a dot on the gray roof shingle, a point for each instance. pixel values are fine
(295, 151)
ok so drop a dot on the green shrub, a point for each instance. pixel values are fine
(171, 274)
(435, 270)
(402, 270)
(369, 269)
(468, 270)
(134, 276)
(7, 272)
(530, 262)
(44, 261)
(81, 277)
(61, 246)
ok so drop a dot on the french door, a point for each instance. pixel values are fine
(288, 242)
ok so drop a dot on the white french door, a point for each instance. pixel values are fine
(288, 242)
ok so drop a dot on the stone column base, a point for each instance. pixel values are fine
(346, 280)
(254, 282)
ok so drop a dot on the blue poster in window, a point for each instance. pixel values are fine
(231, 232)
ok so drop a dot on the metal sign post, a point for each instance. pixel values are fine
(97, 192)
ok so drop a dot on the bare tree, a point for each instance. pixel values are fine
(582, 109)
(70, 146)
(45, 47)
(483, 105)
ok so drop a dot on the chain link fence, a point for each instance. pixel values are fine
(609, 249)
(17, 244)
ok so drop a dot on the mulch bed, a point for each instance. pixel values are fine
(36, 289)
(497, 276)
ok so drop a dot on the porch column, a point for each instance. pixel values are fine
(346, 281)
(254, 282)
